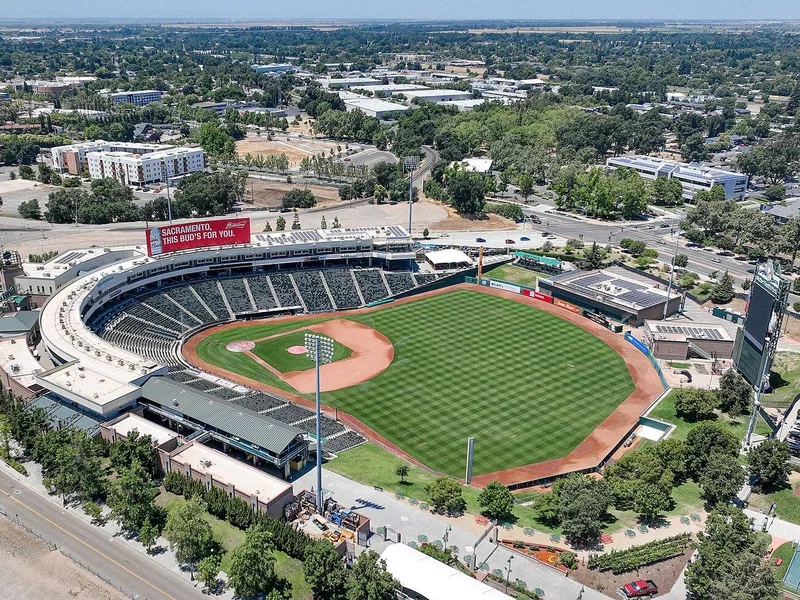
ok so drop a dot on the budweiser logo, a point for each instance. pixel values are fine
(235, 225)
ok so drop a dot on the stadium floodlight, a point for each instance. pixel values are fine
(410, 163)
(320, 349)
(681, 215)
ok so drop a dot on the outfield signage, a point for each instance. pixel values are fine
(198, 234)
(566, 305)
(500, 285)
(599, 319)
(639, 345)
(537, 296)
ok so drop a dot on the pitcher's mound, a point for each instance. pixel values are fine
(240, 346)
(296, 350)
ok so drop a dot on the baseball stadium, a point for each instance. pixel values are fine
(211, 337)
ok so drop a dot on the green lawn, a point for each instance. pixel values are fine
(230, 537)
(275, 352)
(514, 274)
(526, 384)
(785, 379)
(787, 503)
(784, 551)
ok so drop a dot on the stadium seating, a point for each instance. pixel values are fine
(237, 296)
(424, 278)
(284, 290)
(399, 282)
(262, 294)
(259, 402)
(185, 297)
(342, 287)
(372, 286)
(313, 291)
(209, 292)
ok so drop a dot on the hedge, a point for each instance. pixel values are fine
(639, 556)
(509, 211)
(240, 514)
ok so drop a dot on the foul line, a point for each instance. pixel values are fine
(76, 538)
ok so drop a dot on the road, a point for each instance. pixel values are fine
(134, 573)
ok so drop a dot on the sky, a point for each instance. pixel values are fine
(402, 9)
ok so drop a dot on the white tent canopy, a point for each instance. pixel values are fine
(447, 257)
(432, 579)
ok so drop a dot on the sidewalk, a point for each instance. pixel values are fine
(775, 527)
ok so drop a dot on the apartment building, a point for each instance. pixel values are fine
(693, 177)
(139, 169)
(137, 98)
(73, 157)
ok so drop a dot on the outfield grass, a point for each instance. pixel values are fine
(515, 274)
(275, 352)
(526, 384)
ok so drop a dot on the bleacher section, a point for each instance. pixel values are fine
(372, 286)
(238, 299)
(313, 291)
(209, 292)
(186, 299)
(284, 290)
(399, 282)
(342, 287)
(262, 294)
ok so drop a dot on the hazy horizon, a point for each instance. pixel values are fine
(418, 10)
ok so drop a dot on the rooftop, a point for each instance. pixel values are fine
(375, 104)
(606, 286)
(18, 322)
(668, 166)
(95, 385)
(230, 471)
(18, 362)
(133, 422)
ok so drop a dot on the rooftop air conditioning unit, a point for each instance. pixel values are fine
(95, 395)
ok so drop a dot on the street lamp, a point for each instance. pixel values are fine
(165, 177)
(410, 163)
(681, 216)
(320, 349)
(508, 571)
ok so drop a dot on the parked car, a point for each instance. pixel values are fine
(545, 234)
(480, 240)
(510, 241)
(640, 589)
(524, 239)
(716, 260)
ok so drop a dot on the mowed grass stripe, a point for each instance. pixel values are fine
(528, 385)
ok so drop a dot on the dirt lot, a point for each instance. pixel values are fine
(270, 193)
(31, 570)
(295, 149)
(456, 222)
(665, 574)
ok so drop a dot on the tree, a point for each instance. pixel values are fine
(345, 192)
(215, 140)
(29, 209)
(697, 404)
(775, 192)
(496, 501)
(208, 570)
(666, 192)
(726, 541)
(208, 194)
(137, 448)
(336, 224)
(323, 224)
(188, 532)
(252, 569)
(681, 260)
(769, 463)
(734, 393)
(26, 172)
(324, 572)
(651, 500)
(722, 292)
(694, 148)
(369, 579)
(131, 497)
(722, 478)
(296, 222)
(280, 225)
(148, 534)
(446, 495)
(705, 440)
(525, 185)
(267, 227)
(402, 472)
(595, 257)
(380, 193)
(425, 233)
(299, 198)
(467, 190)
(583, 503)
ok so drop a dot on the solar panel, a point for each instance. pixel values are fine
(640, 298)
(592, 279)
(629, 285)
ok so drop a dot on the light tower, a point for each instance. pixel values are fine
(410, 163)
(320, 349)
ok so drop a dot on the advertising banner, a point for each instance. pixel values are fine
(504, 286)
(599, 319)
(198, 234)
(567, 306)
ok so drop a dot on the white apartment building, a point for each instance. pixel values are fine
(137, 98)
(138, 169)
(73, 157)
(693, 177)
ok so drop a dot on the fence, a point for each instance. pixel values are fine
(53, 547)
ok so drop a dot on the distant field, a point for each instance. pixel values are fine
(515, 274)
(528, 385)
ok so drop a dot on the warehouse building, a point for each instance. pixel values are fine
(464, 105)
(375, 107)
(606, 293)
(693, 177)
(345, 83)
(273, 68)
(390, 89)
(437, 95)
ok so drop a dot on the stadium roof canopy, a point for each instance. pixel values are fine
(545, 260)
(236, 421)
(432, 579)
(447, 257)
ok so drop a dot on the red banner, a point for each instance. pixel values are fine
(198, 234)
(543, 297)
(567, 305)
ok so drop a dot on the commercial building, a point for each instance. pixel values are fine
(464, 105)
(273, 68)
(390, 89)
(130, 168)
(73, 158)
(437, 95)
(137, 98)
(609, 295)
(374, 107)
(678, 340)
(345, 83)
(693, 177)
(51, 87)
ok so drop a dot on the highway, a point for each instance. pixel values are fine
(133, 572)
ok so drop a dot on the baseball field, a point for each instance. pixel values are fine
(528, 385)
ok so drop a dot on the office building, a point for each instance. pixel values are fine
(375, 107)
(693, 177)
(137, 98)
(273, 68)
(437, 95)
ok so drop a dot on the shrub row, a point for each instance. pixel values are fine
(240, 514)
(509, 211)
(17, 466)
(639, 556)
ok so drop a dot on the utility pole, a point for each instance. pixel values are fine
(410, 163)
